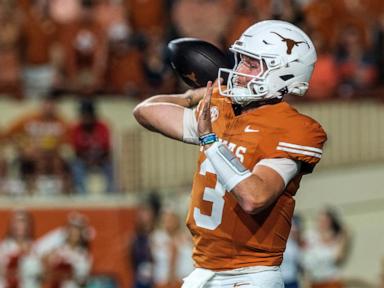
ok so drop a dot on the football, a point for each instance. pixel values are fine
(196, 61)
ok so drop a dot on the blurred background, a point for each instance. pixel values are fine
(90, 199)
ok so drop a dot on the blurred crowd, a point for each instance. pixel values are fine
(118, 47)
(60, 258)
(315, 257)
(158, 251)
(106, 48)
(52, 156)
(317, 251)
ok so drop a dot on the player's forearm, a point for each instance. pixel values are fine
(254, 190)
(253, 194)
(165, 118)
(177, 99)
(188, 99)
(165, 113)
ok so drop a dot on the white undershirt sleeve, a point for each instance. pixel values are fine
(285, 167)
(190, 134)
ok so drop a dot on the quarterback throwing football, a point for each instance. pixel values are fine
(254, 150)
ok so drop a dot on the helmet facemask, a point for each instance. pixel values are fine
(256, 89)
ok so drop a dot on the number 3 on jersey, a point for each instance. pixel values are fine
(216, 196)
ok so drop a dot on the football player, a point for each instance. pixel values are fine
(254, 150)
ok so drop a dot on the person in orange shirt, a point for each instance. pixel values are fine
(38, 49)
(10, 75)
(39, 138)
(254, 150)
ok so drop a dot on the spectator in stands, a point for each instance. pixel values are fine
(64, 12)
(40, 139)
(157, 72)
(290, 267)
(91, 142)
(199, 19)
(146, 16)
(325, 78)
(356, 63)
(172, 251)
(37, 49)
(108, 13)
(287, 10)
(245, 14)
(84, 52)
(140, 254)
(125, 71)
(378, 38)
(326, 250)
(19, 265)
(10, 74)
(69, 263)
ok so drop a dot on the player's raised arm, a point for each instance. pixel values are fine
(171, 115)
(196, 62)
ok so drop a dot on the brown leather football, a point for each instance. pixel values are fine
(196, 61)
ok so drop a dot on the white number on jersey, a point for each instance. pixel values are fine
(216, 196)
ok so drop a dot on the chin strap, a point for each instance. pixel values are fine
(298, 89)
(237, 108)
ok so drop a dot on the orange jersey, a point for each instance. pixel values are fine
(225, 237)
(34, 130)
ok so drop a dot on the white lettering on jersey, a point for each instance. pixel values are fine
(239, 151)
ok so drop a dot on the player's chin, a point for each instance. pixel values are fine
(241, 95)
(241, 91)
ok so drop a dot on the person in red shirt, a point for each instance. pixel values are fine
(90, 139)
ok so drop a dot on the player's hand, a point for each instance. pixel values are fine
(193, 96)
(204, 125)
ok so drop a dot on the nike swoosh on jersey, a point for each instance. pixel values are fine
(250, 130)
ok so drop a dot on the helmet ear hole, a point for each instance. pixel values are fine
(272, 63)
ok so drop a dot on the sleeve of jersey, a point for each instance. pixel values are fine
(303, 144)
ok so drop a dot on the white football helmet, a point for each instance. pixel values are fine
(287, 58)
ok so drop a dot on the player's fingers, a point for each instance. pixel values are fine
(208, 93)
(205, 113)
(218, 82)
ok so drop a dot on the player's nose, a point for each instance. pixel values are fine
(243, 69)
(241, 80)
